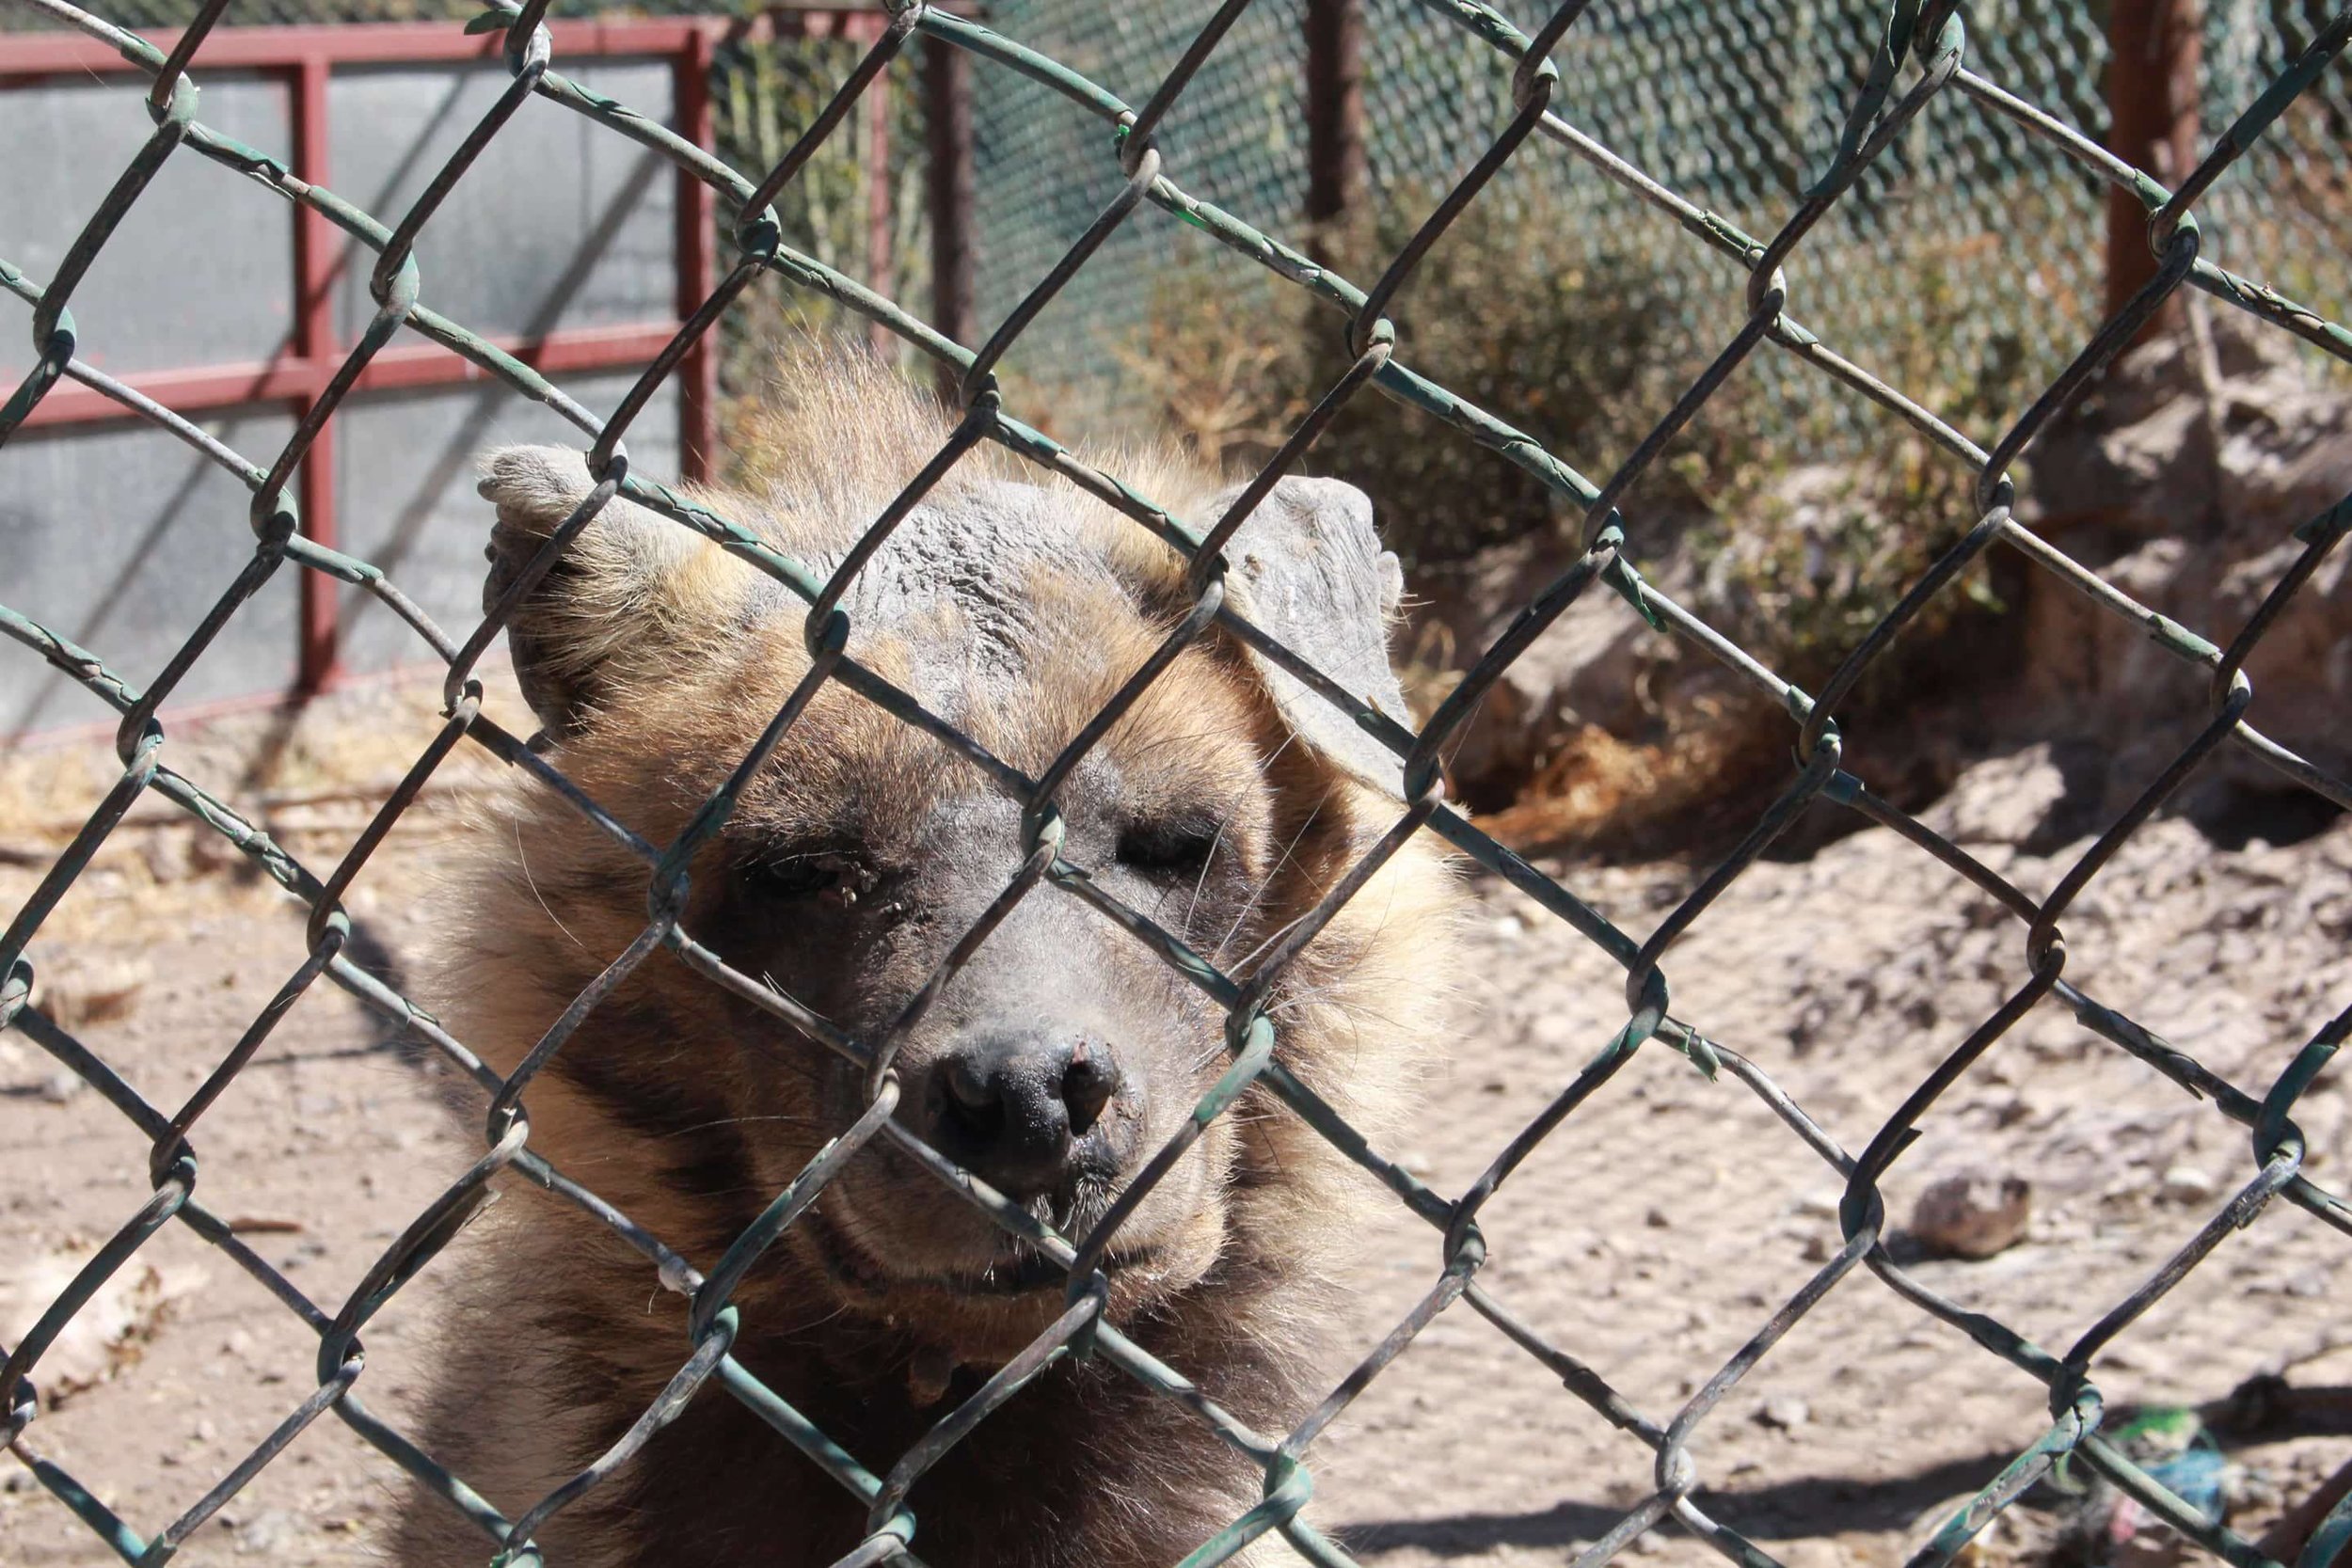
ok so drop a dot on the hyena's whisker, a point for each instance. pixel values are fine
(523, 859)
(1267, 883)
(1224, 822)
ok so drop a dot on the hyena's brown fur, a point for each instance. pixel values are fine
(654, 659)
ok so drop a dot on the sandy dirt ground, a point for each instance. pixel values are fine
(1650, 1236)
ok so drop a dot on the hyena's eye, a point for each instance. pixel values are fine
(826, 877)
(1179, 847)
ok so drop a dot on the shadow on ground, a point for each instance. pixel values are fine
(1792, 1510)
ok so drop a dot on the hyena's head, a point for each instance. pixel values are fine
(1064, 1053)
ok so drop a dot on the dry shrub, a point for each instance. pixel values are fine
(1803, 514)
(1577, 350)
(1798, 561)
(1577, 353)
(1224, 386)
(764, 94)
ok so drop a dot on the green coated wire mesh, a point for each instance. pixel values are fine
(1726, 105)
(171, 15)
(1899, 96)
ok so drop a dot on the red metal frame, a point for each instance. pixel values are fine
(306, 57)
(318, 661)
(697, 221)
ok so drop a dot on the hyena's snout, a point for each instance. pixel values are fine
(1030, 1109)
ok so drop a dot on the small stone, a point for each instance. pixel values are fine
(167, 856)
(1783, 1413)
(61, 1086)
(1973, 1214)
(1657, 1220)
(2188, 1184)
(2310, 1285)
(80, 991)
(267, 1533)
(2037, 799)
(1552, 1032)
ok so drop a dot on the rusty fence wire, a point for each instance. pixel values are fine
(1920, 54)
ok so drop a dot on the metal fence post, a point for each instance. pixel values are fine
(697, 217)
(948, 126)
(1336, 168)
(2155, 49)
(318, 658)
(880, 260)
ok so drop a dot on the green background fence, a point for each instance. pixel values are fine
(1974, 234)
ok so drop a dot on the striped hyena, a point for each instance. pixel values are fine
(1061, 1056)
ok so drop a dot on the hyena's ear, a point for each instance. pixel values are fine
(602, 606)
(1307, 567)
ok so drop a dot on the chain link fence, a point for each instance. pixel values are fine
(171, 15)
(1916, 88)
(764, 86)
(1723, 104)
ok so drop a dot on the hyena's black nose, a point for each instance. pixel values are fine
(1023, 1112)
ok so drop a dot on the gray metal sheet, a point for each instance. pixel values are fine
(560, 223)
(200, 270)
(122, 539)
(405, 493)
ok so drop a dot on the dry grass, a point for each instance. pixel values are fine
(311, 774)
(1599, 794)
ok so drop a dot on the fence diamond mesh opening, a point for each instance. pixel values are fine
(1914, 87)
